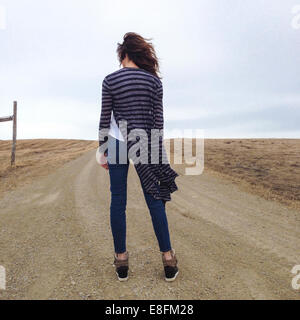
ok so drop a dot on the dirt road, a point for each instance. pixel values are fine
(56, 243)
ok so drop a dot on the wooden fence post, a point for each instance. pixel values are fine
(13, 150)
(14, 140)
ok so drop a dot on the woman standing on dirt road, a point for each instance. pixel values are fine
(132, 115)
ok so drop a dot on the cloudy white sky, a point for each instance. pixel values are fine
(229, 67)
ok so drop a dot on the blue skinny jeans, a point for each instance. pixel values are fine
(118, 171)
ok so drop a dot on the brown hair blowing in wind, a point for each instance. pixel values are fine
(139, 50)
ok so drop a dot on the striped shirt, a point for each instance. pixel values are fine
(135, 95)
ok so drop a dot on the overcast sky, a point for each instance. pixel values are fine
(229, 67)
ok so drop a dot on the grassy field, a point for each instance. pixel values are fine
(268, 167)
(35, 158)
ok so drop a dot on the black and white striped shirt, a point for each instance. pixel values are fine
(136, 96)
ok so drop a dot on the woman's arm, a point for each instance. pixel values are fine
(105, 117)
(106, 110)
(158, 108)
(157, 133)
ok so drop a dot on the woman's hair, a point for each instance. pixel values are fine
(140, 51)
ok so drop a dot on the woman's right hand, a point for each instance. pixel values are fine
(103, 161)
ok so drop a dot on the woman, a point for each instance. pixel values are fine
(132, 114)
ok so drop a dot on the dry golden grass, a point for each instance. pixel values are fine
(268, 167)
(36, 158)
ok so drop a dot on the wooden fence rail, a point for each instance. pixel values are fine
(14, 140)
(6, 119)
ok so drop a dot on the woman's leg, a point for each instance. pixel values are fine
(159, 221)
(118, 187)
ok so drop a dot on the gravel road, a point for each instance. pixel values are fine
(56, 243)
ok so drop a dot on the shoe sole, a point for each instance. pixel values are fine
(121, 279)
(172, 279)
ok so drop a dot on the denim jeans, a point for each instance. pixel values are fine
(118, 172)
